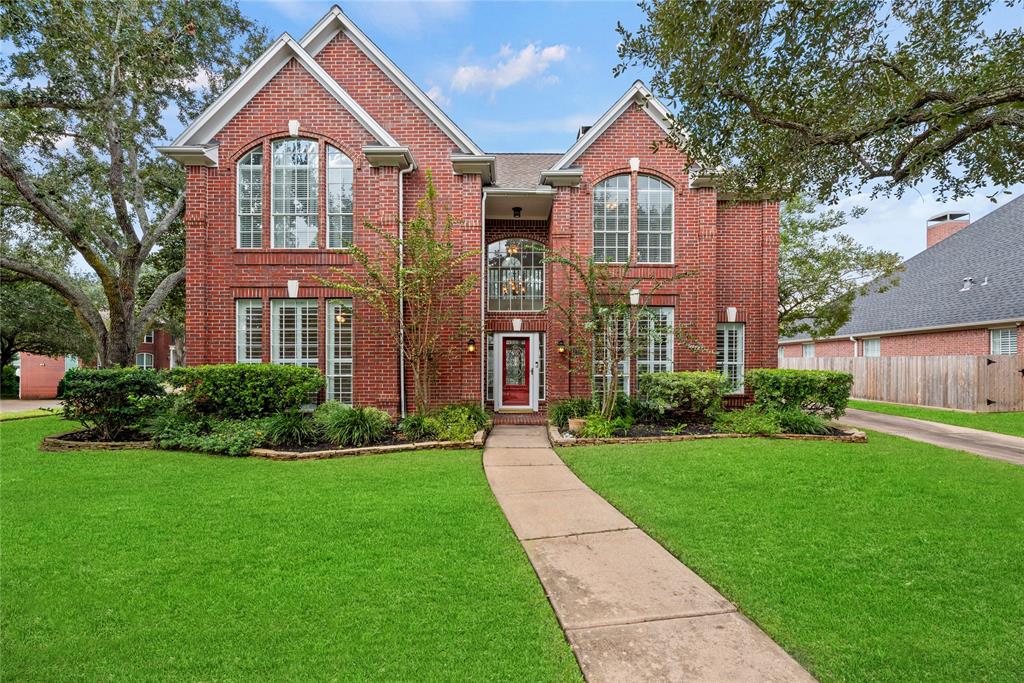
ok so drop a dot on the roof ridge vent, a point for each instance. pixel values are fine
(968, 281)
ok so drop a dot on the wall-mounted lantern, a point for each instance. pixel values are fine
(517, 212)
(470, 346)
(561, 346)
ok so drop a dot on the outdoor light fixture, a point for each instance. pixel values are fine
(470, 346)
(517, 212)
(634, 297)
(561, 346)
(293, 289)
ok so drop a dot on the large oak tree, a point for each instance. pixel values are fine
(86, 90)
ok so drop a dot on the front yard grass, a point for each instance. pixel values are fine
(146, 565)
(1003, 423)
(892, 560)
(22, 414)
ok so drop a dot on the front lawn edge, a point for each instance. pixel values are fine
(850, 436)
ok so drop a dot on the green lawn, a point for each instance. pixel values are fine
(887, 561)
(21, 414)
(149, 565)
(1003, 423)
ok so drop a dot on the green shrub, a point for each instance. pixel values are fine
(796, 421)
(9, 382)
(458, 422)
(751, 420)
(417, 427)
(291, 429)
(637, 409)
(818, 391)
(330, 419)
(247, 390)
(598, 427)
(686, 392)
(560, 412)
(358, 427)
(111, 401)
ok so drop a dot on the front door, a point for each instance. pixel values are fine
(515, 372)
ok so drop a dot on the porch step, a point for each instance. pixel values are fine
(540, 418)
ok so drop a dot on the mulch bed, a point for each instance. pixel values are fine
(644, 433)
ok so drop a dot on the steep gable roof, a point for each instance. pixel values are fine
(201, 131)
(336, 21)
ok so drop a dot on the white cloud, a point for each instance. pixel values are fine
(512, 67)
(200, 81)
(437, 94)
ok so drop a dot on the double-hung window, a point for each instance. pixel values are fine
(655, 335)
(339, 350)
(1004, 341)
(611, 343)
(807, 350)
(148, 338)
(294, 339)
(729, 353)
(611, 220)
(339, 199)
(294, 194)
(250, 200)
(249, 330)
(654, 220)
(872, 348)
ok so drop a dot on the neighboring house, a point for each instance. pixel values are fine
(323, 134)
(962, 295)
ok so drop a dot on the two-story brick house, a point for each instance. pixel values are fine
(324, 134)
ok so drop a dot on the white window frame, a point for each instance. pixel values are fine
(875, 344)
(144, 360)
(604, 231)
(243, 350)
(245, 170)
(1003, 348)
(149, 337)
(640, 193)
(645, 357)
(302, 336)
(722, 362)
(278, 173)
(495, 275)
(340, 366)
(341, 239)
(804, 348)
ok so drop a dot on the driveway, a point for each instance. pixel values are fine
(987, 444)
(13, 405)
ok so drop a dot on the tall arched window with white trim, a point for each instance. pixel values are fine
(611, 220)
(339, 199)
(250, 200)
(294, 217)
(655, 212)
(515, 275)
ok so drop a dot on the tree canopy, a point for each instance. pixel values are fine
(824, 98)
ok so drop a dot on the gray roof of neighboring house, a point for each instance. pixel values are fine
(929, 293)
(521, 170)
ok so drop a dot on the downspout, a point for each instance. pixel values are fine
(854, 340)
(483, 297)
(401, 297)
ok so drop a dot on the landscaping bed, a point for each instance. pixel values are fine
(559, 438)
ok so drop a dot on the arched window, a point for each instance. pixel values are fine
(515, 275)
(293, 204)
(144, 360)
(339, 199)
(611, 220)
(654, 220)
(250, 200)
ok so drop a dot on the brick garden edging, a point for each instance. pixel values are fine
(59, 443)
(851, 436)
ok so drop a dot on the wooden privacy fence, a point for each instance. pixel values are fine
(979, 383)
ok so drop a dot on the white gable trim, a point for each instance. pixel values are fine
(238, 94)
(336, 21)
(638, 93)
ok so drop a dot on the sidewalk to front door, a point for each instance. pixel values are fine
(516, 371)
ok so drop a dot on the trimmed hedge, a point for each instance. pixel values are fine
(816, 391)
(246, 391)
(687, 392)
(111, 401)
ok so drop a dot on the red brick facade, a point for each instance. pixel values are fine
(974, 341)
(731, 247)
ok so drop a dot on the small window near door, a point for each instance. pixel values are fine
(144, 360)
(808, 350)
(730, 354)
(1004, 341)
(872, 348)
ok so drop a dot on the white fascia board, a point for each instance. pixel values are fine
(238, 94)
(908, 330)
(637, 92)
(569, 177)
(379, 155)
(336, 21)
(474, 164)
(518, 191)
(191, 155)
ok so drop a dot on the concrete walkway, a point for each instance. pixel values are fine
(630, 610)
(987, 444)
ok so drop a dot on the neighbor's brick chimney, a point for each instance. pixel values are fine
(945, 224)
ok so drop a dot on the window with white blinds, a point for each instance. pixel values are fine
(613, 336)
(807, 350)
(729, 353)
(654, 335)
(249, 330)
(1004, 341)
(250, 200)
(294, 194)
(144, 360)
(339, 199)
(339, 350)
(872, 348)
(655, 218)
(294, 339)
(611, 220)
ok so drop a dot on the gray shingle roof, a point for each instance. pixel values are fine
(521, 170)
(929, 293)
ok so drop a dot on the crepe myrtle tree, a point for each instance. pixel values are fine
(603, 311)
(415, 284)
(85, 90)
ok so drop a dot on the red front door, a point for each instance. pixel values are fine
(515, 372)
